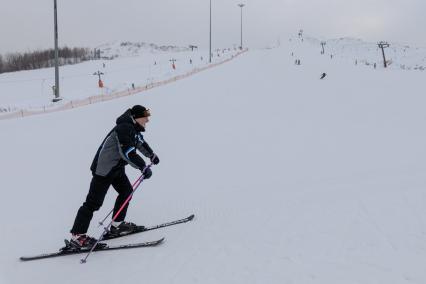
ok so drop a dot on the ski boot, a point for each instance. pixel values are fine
(83, 242)
(124, 228)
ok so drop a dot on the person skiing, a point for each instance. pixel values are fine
(116, 151)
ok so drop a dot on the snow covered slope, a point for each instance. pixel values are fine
(362, 53)
(135, 65)
(292, 179)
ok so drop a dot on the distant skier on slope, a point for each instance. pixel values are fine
(323, 75)
(116, 151)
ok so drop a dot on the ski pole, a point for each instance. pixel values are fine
(110, 212)
(106, 229)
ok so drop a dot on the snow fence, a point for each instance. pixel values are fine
(54, 107)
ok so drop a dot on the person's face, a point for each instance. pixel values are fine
(142, 121)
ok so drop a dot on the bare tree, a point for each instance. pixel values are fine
(42, 59)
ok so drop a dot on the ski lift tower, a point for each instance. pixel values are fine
(383, 45)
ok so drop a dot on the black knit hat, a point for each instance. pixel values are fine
(139, 111)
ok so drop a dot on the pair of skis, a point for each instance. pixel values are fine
(65, 251)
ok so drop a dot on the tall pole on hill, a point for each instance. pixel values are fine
(56, 54)
(322, 45)
(241, 6)
(210, 50)
(383, 45)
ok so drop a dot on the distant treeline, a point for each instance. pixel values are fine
(42, 59)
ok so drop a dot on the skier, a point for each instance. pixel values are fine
(116, 151)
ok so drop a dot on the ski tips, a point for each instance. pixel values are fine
(157, 242)
(191, 217)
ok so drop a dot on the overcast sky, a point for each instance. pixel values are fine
(28, 24)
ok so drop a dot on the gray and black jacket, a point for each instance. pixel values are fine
(119, 147)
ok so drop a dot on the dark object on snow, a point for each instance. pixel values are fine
(323, 75)
(124, 228)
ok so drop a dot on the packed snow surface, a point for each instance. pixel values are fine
(124, 66)
(292, 179)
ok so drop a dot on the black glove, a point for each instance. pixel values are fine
(154, 159)
(147, 173)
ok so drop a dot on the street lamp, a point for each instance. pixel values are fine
(241, 6)
(210, 50)
(57, 98)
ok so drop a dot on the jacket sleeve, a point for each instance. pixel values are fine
(144, 147)
(127, 146)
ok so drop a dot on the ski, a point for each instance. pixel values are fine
(64, 251)
(141, 229)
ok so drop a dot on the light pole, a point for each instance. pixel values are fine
(210, 49)
(57, 98)
(241, 6)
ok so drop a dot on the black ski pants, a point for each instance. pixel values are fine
(95, 198)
